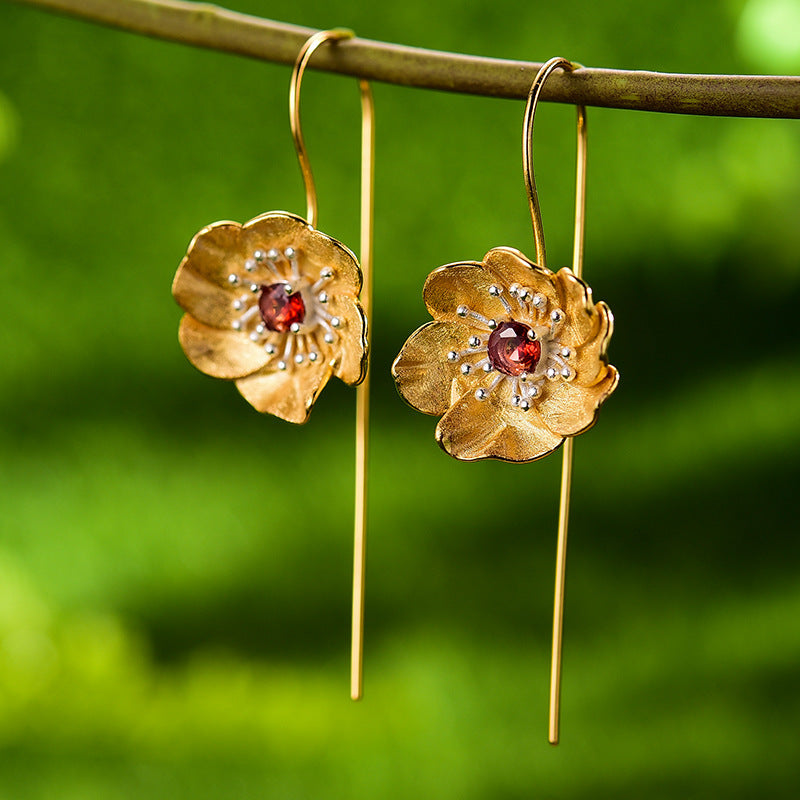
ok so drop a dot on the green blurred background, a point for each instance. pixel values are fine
(175, 569)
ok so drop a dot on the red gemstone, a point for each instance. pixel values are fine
(511, 351)
(279, 309)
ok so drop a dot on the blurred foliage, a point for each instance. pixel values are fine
(175, 569)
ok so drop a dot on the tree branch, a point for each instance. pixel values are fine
(206, 25)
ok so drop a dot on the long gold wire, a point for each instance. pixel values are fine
(303, 57)
(577, 267)
(362, 393)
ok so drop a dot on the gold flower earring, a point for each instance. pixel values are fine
(515, 359)
(273, 305)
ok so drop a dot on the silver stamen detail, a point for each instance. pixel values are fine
(328, 337)
(566, 352)
(269, 349)
(236, 325)
(474, 341)
(483, 320)
(524, 405)
(466, 369)
(495, 290)
(531, 334)
(336, 322)
(538, 300)
(313, 356)
(462, 311)
(238, 305)
(294, 327)
(452, 356)
(557, 315)
(259, 255)
(566, 372)
(273, 254)
(324, 277)
(323, 297)
(480, 394)
(487, 367)
(282, 366)
(299, 358)
(289, 252)
(513, 290)
(250, 265)
(254, 287)
(287, 349)
(254, 336)
(551, 373)
(233, 280)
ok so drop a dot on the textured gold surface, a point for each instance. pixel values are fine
(472, 429)
(203, 289)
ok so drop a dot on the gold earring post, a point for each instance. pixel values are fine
(566, 464)
(303, 57)
(577, 267)
(362, 393)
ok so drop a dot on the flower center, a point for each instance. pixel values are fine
(510, 349)
(279, 309)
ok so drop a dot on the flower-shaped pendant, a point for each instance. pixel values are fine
(272, 305)
(515, 358)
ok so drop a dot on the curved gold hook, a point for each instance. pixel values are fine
(577, 267)
(527, 164)
(362, 391)
(303, 57)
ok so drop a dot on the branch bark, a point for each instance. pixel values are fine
(209, 26)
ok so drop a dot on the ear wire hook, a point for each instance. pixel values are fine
(577, 267)
(362, 390)
(303, 57)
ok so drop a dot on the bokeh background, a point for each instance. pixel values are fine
(175, 569)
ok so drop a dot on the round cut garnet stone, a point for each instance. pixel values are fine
(511, 351)
(279, 309)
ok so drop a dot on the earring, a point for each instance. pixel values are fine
(515, 359)
(273, 305)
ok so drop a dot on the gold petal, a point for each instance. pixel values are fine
(575, 299)
(206, 301)
(463, 283)
(288, 394)
(466, 429)
(589, 358)
(568, 408)
(351, 347)
(275, 229)
(511, 266)
(527, 439)
(215, 252)
(316, 250)
(422, 372)
(474, 429)
(224, 354)
(323, 251)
